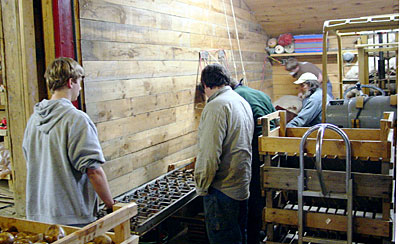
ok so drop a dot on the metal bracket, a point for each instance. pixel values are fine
(204, 55)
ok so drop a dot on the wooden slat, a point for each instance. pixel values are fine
(131, 15)
(117, 89)
(104, 50)
(196, 10)
(123, 230)
(374, 227)
(301, 54)
(128, 33)
(101, 226)
(122, 108)
(24, 225)
(120, 147)
(130, 162)
(373, 149)
(152, 170)
(352, 134)
(190, 163)
(132, 240)
(129, 125)
(108, 70)
(83, 235)
(367, 185)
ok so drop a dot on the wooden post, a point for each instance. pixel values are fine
(48, 31)
(386, 125)
(269, 203)
(122, 231)
(340, 63)
(282, 123)
(324, 74)
(363, 68)
(21, 84)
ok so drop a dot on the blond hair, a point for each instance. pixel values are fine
(60, 71)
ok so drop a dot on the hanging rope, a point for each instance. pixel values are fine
(237, 38)
(230, 40)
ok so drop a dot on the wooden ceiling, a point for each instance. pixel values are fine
(308, 16)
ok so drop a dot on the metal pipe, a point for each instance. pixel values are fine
(318, 163)
(349, 182)
(381, 61)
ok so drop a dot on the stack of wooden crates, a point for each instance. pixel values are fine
(372, 164)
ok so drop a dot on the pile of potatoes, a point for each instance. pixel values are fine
(10, 235)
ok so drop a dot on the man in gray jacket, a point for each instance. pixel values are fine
(63, 154)
(311, 112)
(223, 166)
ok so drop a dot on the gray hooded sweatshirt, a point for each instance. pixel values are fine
(60, 144)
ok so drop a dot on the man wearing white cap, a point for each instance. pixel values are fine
(297, 69)
(311, 112)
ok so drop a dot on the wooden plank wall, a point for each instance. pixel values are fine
(141, 59)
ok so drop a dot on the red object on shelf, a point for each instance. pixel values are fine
(285, 39)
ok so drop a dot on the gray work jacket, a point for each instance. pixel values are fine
(224, 141)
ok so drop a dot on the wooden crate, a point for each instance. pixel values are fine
(119, 220)
(279, 180)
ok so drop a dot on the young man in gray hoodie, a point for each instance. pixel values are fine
(63, 154)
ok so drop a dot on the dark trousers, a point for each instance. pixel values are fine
(225, 218)
(256, 201)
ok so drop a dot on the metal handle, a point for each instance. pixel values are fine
(318, 147)
(318, 163)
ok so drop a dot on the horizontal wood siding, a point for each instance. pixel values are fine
(141, 60)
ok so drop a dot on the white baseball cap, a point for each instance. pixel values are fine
(304, 77)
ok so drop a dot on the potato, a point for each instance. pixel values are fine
(54, 233)
(8, 228)
(33, 237)
(103, 239)
(21, 235)
(6, 238)
(22, 241)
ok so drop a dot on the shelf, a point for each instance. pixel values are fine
(300, 54)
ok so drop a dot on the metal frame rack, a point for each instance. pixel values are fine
(159, 199)
(353, 26)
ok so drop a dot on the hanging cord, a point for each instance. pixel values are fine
(224, 61)
(215, 59)
(263, 73)
(230, 40)
(237, 38)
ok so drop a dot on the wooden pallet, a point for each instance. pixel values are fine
(374, 146)
(119, 220)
